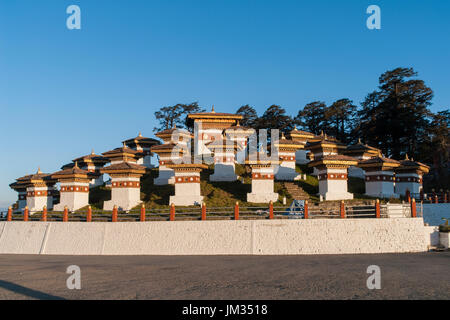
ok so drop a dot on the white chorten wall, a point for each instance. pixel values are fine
(356, 172)
(74, 195)
(223, 167)
(125, 193)
(333, 184)
(205, 136)
(407, 181)
(380, 184)
(300, 156)
(187, 189)
(38, 197)
(286, 169)
(22, 201)
(146, 160)
(96, 181)
(166, 176)
(262, 186)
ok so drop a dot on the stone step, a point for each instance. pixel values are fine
(296, 191)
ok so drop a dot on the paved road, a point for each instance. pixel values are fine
(403, 276)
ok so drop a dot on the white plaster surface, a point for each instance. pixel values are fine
(444, 239)
(413, 187)
(431, 235)
(270, 237)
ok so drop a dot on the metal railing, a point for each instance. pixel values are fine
(202, 213)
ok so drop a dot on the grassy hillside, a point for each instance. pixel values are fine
(222, 194)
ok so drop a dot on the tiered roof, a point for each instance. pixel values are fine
(72, 173)
(301, 135)
(361, 149)
(124, 153)
(379, 163)
(38, 178)
(141, 141)
(337, 160)
(166, 135)
(408, 165)
(223, 144)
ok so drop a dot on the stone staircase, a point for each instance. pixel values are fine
(296, 191)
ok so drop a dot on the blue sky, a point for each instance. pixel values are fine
(64, 92)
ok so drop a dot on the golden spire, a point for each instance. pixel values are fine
(123, 145)
(39, 170)
(76, 165)
(140, 134)
(406, 157)
(359, 141)
(238, 124)
(92, 152)
(212, 110)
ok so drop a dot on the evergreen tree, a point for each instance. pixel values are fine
(275, 117)
(340, 115)
(313, 117)
(250, 116)
(396, 116)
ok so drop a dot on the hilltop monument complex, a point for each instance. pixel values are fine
(218, 142)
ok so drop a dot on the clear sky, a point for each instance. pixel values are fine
(64, 92)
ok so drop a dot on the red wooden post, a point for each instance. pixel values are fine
(413, 208)
(203, 211)
(142, 213)
(448, 196)
(89, 214)
(342, 209)
(236, 211)
(172, 212)
(114, 214)
(44, 214)
(377, 209)
(306, 209)
(270, 210)
(66, 214)
(9, 215)
(436, 199)
(25, 214)
(421, 195)
(445, 200)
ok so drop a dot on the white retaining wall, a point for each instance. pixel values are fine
(243, 237)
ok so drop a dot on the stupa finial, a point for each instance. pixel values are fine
(238, 124)
(76, 165)
(92, 152)
(39, 170)
(140, 134)
(123, 144)
(359, 141)
(212, 109)
(406, 157)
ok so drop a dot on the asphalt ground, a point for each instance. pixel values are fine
(403, 276)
